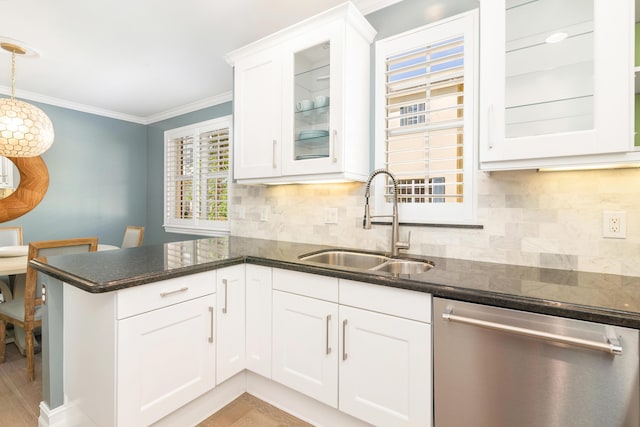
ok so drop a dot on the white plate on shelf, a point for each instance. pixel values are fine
(12, 251)
(308, 134)
(311, 156)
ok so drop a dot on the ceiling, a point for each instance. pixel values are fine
(141, 60)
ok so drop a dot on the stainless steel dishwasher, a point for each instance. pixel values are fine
(495, 367)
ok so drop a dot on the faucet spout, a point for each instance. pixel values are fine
(366, 221)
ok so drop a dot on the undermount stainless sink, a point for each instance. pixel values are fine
(403, 266)
(373, 262)
(363, 260)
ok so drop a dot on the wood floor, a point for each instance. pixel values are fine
(19, 397)
(249, 411)
(20, 401)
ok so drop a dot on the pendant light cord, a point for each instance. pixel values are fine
(13, 75)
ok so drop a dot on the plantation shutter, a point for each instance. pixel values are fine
(197, 172)
(424, 141)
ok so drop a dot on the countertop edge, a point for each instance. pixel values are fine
(486, 297)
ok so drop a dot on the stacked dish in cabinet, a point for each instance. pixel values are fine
(312, 84)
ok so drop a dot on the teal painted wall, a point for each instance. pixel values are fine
(97, 179)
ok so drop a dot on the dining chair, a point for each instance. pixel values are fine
(26, 312)
(132, 236)
(10, 236)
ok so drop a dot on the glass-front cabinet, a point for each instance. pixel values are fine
(312, 83)
(291, 100)
(555, 85)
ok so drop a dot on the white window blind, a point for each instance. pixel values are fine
(197, 175)
(424, 126)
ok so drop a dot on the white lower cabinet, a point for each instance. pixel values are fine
(305, 344)
(385, 368)
(230, 322)
(135, 355)
(258, 319)
(168, 360)
(372, 347)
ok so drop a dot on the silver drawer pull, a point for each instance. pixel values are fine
(211, 331)
(327, 335)
(611, 346)
(224, 309)
(177, 291)
(344, 339)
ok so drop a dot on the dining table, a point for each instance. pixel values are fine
(13, 265)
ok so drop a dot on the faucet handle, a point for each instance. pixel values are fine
(404, 245)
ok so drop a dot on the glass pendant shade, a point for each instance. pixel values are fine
(25, 130)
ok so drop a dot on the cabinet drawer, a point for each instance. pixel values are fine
(140, 299)
(310, 285)
(394, 301)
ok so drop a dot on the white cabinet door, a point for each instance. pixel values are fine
(312, 67)
(305, 344)
(325, 56)
(258, 318)
(230, 325)
(385, 368)
(166, 358)
(258, 115)
(544, 103)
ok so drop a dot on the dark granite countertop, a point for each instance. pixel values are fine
(604, 298)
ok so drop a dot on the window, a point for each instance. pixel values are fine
(425, 127)
(197, 176)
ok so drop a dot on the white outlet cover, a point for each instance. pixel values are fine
(614, 224)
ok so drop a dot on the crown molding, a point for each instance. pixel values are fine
(189, 108)
(184, 109)
(72, 105)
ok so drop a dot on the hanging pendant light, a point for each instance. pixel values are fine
(25, 130)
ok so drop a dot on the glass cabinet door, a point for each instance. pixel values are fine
(549, 58)
(312, 84)
(554, 85)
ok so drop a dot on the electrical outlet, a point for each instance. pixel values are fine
(241, 212)
(614, 224)
(331, 216)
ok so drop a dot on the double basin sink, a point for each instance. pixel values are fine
(369, 261)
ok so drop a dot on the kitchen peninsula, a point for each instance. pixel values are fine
(132, 274)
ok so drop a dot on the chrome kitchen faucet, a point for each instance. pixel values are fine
(396, 244)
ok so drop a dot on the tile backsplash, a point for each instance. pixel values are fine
(529, 218)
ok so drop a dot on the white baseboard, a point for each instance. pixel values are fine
(52, 417)
(282, 397)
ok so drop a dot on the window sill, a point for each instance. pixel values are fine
(434, 225)
(196, 231)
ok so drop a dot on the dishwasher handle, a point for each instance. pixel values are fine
(611, 346)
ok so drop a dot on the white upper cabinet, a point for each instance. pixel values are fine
(301, 101)
(556, 82)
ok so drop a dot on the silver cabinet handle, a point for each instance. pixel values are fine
(176, 291)
(327, 334)
(275, 145)
(224, 309)
(611, 346)
(335, 137)
(211, 330)
(344, 339)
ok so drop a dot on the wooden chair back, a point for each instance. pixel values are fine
(10, 236)
(132, 236)
(42, 249)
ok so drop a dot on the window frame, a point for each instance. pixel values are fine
(195, 225)
(467, 25)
